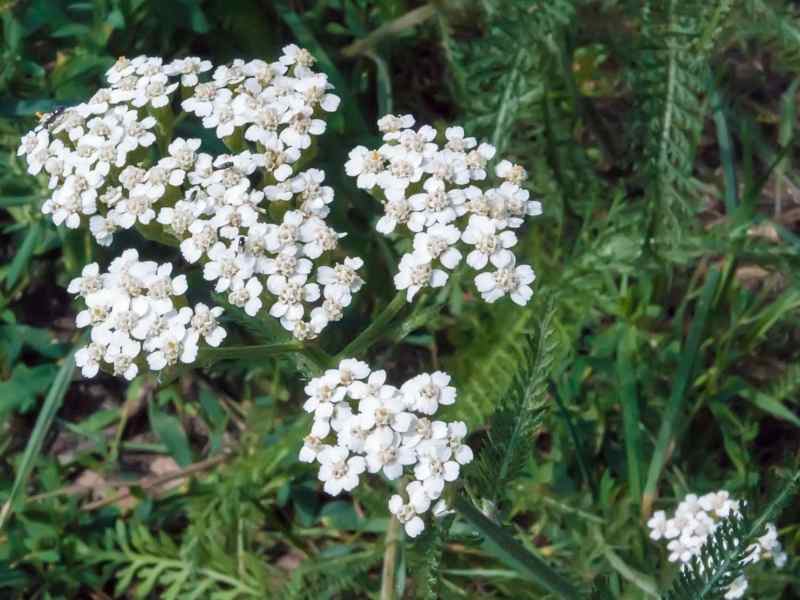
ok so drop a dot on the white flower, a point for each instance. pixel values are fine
(424, 393)
(154, 91)
(201, 103)
(386, 412)
(510, 172)
(291, 293)
(437, 243)
(416, 272)
(323, 393)
(204, 324)
(482, 233)
(435, 468)
(364, 165)
(384, 453)
(372, 388)
(507, 280)
(342, 276)
(351, 370)
(391, 124)
(408, 513)
(658, 525)
(89, 357)
(437, 205)
(456, 140)
(396, 211)
(246, 295)
(300, 127)
(338, 471)
(227, 264)
(188, 68)
(456, 432)
(203, 236)
(719, 503)
(403, 169)
(89, 282)
(312, 448)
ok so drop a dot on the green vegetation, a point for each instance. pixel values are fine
(660, 355)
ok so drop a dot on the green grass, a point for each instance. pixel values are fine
(662, 145)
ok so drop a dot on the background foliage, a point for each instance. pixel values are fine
(660, 357)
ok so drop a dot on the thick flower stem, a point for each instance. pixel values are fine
(377, 329)
(390, 559)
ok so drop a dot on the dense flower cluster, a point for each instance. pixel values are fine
(695, 519)
(135, 309)
(388, 430)
(253, 218)
(437, 192)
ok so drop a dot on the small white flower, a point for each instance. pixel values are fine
(291, 293)
(437, 243)
(424, 393)
(435, 468)
(246, 295)
(342, 276)
(312, 448)
(482, 233)
(204, 324)
(507, 280)
(416, 272)
(227, 264)
(364, 165)
(408, 513)
(658, 525)
(338, 472)
(510, 172)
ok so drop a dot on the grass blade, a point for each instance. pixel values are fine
(630, 411)
(23, 257)
(501, 544)
(48, 412)
(677, 399)
(726, 156)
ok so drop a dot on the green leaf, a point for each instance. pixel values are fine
(775, 408)
(680, 387)
(48, 412)
(170, 432)
(20, 392)
(502, 545)
(24, 255)
(626, 374)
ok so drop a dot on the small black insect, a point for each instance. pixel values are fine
(46, 120)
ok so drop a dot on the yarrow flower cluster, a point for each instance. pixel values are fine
(695, 519)
(253, 218)
(437, 192)
(137, 309)
(379, 428)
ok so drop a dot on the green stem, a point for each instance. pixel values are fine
(207, 356)
(390, 559)
(377, 329)
(508, 550)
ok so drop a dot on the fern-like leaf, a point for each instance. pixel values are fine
(723, 556)
(670, 77)
(145, 564)
(512, 425)
(500, 70)
(316, 578)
